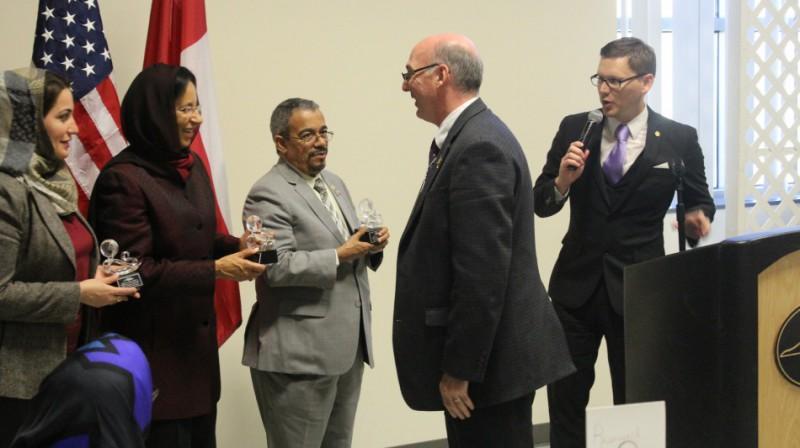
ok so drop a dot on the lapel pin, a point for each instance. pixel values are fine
(438, 162)
(658, 133)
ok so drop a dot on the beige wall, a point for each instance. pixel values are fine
(348, 55)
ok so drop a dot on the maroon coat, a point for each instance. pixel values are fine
(170, 225)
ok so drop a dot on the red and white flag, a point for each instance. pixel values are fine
(69, 40)
(178, 36)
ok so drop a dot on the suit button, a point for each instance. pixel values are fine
(205, 323)
(199, 225)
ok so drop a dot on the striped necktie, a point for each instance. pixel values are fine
(320, 187)
(433, 159)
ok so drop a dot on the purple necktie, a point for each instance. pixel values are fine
(616, 159)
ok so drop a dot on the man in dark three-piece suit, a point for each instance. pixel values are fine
(619, 186)
(308, 336)
(474, 331)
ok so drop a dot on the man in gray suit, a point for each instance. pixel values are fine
(308, 335)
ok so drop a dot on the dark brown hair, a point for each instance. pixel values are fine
(53, 85)
(641, 57)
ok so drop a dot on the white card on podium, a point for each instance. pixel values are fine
(638, 425)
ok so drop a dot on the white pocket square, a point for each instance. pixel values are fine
(662, 166)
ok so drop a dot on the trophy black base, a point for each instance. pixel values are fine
(132, 280)
(370, 236)
(266, 257)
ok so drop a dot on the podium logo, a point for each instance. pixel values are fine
(787, 349)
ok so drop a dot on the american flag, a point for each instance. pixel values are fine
(69, 40)
(178, 35)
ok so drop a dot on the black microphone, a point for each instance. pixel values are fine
(678, 170)
(595, 117)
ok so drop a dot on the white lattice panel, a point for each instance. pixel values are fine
(770, 109)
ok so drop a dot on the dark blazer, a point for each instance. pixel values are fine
(38, 291)
(609, 230)
(171, 226)
(469, 300)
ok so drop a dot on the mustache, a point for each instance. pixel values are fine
(318, 152)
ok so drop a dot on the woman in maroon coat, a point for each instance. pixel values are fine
(155, 199)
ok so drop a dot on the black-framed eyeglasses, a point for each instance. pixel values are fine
(612, 83)
(413, 71)
(310, 137)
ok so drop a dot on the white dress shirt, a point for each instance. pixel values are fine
(450, 120)
(637, 138)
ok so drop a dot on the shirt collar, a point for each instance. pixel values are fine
(450, 120)
(306, 178)
(635, 126)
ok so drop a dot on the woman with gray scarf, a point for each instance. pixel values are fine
(48, 253)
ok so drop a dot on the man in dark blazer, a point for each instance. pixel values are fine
(309, 334)
(619, 186)
(474, 331)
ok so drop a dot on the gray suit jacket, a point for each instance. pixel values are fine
(38, 291)
(309, 312)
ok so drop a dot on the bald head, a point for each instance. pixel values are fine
(459, 54)
(443, 72)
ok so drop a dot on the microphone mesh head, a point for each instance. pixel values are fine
(596, 116)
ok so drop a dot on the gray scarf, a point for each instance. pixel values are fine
(25, 149)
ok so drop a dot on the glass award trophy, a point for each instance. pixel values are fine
(370, 219)
(125, 266)
(262, 239)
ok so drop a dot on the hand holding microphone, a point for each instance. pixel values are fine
(595, 116)
(573, 161)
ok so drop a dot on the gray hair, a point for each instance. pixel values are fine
(641, 57)
(465, 66)
(279, 122)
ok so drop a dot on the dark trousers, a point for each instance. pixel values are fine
(13, 413)
(505, 424)
(567, 398)
(193, 432)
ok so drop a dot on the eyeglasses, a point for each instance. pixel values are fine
(190, 110)
(413, 71)
(612, 83)
(310, 137)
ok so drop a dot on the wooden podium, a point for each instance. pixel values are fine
(714, 332)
